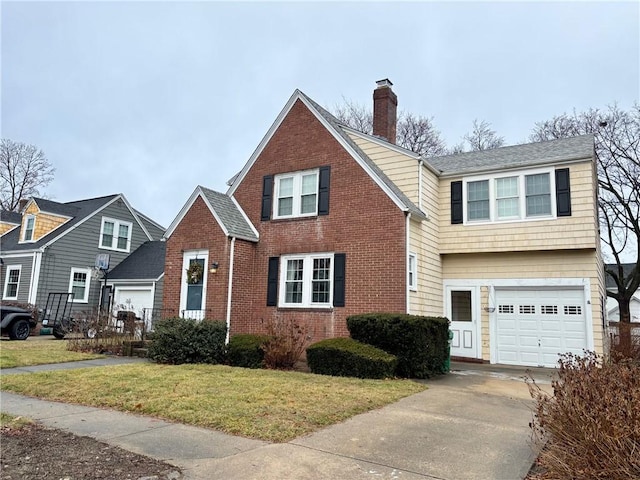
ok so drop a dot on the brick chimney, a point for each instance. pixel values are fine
(22, 203)
(385, 106)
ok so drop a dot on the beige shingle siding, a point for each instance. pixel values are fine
(424, 242)
(401, 169)
(527, 265)
(577, 231)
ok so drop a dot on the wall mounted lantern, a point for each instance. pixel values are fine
(214, 267)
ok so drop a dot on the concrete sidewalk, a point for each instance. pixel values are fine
(471, 424)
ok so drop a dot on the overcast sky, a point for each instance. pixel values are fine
(150, 99)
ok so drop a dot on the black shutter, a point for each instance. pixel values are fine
(339, 261)
(323, 191)
(456, 202)
(272, 282)
(267, 197)
(563, 193)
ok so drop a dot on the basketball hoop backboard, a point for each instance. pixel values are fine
(102, 261)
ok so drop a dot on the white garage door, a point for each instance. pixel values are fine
(534, 326)
(135, 300)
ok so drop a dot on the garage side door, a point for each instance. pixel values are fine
(534, 326)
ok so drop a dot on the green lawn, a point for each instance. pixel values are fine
(265, 404)
(38, 352)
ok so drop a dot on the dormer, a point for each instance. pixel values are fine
(37, 223)
(9, 221)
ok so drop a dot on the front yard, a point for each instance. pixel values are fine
(38, 352)
(270, 405)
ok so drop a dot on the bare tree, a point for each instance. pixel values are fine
(617, 145)
(415, 133)
(24, 169)
(481, 137)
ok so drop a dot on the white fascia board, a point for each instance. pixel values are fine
(91, 215)
(135, 215)
(183, 211)
(497, 170)
(11, 229)
(382, 143)
(20, 253)
(246, 218)
(256, 153)
(356, 157)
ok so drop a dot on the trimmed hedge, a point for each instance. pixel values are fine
(246, 350)
(346, 357)
(181, 340)
(420, 343)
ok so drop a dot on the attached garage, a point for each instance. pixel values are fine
(133, 299)
(533, 326)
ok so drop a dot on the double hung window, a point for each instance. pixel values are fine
(79, 284)
(29, 227)
(306, 280)
(296, 194)
(115, 235)
(514, 197)
(12, 281)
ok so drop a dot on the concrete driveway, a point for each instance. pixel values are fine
(471, 424)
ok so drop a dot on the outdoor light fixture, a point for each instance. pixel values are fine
(214, 267)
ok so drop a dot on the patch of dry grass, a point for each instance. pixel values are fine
(38, 352)
(265, 404)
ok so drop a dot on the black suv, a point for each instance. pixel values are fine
(16, 322)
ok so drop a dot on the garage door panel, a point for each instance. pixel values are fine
(543, 323)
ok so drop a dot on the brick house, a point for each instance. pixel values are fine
(323, 222)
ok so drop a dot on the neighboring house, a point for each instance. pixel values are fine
(324, 222)
(613, 310)
(53, 246)
(138, 280)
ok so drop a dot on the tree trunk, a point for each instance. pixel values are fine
(625, 341)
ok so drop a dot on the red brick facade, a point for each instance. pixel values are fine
(363, 223)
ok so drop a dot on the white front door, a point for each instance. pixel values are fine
(462, 312)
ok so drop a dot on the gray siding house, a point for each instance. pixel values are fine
(52, 247)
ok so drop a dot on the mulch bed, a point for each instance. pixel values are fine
(33, 452)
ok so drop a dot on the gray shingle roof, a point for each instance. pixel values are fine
(145, 263)
(337, 126)
(57, 208)
(11, 217)
(530, 154)
(82, 209)
(231, 217)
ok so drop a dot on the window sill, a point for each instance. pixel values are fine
(113, 249)
(305, 309)
(293, 219)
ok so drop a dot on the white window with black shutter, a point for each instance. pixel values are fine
(513, 197)
(296, 194)
(306, 281)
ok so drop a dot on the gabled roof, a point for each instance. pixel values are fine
(336, 128)
(14, 218)
(516, 156)
(229, 215)
(145, 263)
(609, 281)
(78, 211)
(55, 208)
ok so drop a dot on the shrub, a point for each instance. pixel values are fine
(346, 357)
(420, 343)
(181, 340)
(246, 350)
(591, 423)
(287, 341)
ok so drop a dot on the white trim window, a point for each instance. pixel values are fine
(306, 281)
(29, 228)
(12, 282)
(115, 234)
(296, 194)
(79, 284)
(412, 272)
(524, 196)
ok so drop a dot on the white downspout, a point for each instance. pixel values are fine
(406, 261)
(230, 288)
(420, 184)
